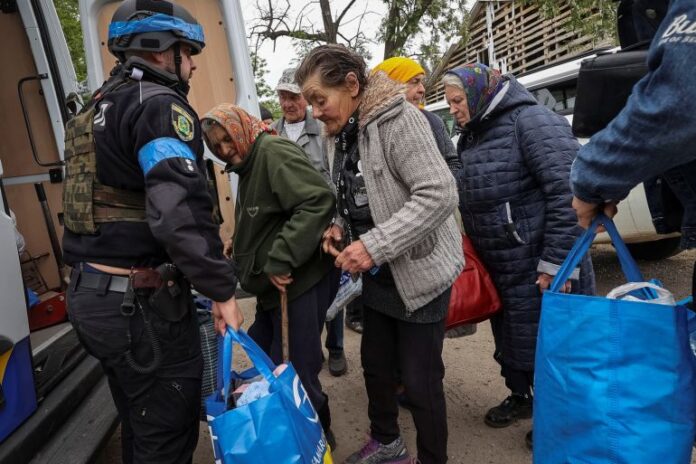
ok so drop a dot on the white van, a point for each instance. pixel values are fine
(55, 404)
(555, 86)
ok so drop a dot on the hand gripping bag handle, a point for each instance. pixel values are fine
(258, 357)
(582, 246)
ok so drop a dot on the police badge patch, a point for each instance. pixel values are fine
(183, 123)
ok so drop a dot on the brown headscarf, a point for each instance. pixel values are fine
(242, 127)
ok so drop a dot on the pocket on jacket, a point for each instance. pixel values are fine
(251, 275)
(511, 224)
(423, 248)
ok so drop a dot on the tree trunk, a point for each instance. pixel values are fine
(390, 45)
(329, 26)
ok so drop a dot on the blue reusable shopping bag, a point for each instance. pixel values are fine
(614, 379)
(279, 428)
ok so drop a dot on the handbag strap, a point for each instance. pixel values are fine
(258, 357)
(582, 246)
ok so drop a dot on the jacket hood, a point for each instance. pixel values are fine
(381, 94)
(511, 96)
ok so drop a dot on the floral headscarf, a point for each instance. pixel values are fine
(481, 84)
(242, 127)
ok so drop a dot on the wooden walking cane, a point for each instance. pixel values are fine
(284, 326)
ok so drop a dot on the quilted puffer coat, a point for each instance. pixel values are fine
(515, 201)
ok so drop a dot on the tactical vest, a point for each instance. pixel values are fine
(87, 202)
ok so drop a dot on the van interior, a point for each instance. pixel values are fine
(67, 384)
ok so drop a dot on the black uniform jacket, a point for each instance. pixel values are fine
(154, 145)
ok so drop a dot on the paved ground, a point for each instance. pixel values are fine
(472, 384)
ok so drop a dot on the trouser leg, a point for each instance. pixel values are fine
(162, 407)
(519, 382)
(422, 373)
(379, 358)
(334, 333)
(306, 316)
(354, 310)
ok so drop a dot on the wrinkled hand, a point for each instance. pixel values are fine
(227, 248)
(544, 282)
(280, 281)
(332, 239)
(355, 258)
(588, 211)
(227, 313)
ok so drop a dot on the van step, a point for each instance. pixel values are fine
(53, 364)
(53, 412)
(85, 433)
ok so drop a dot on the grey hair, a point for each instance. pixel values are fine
(452, 80)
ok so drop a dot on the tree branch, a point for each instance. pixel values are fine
(343, 13)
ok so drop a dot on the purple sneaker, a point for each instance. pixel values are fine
(375, 452)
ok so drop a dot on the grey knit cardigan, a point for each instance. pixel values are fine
(412, 195)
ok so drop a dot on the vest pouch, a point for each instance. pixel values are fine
(604, 85)
(80, 173)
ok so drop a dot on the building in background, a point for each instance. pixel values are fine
(515, 38)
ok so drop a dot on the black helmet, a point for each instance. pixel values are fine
(154, 26)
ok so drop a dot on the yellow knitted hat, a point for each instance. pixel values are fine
(400, 68)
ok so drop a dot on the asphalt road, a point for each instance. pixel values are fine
(472, 383)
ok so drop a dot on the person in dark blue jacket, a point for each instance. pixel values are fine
(655, 133)
(515, 201)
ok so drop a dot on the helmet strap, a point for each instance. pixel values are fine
(183, 84)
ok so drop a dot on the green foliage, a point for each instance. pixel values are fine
(420, 27)
(260, 68)
(69, 16)
(593, 17)
(266, 94)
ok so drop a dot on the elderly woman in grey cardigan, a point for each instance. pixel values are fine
(396, 199)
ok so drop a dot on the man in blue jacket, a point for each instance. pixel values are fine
(655, 133)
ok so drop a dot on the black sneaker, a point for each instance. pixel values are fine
(337, 363)
(514, 407)
(528, 440)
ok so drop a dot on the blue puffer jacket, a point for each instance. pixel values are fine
(515, 202)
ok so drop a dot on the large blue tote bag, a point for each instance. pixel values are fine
(614, 380)
(280, 428)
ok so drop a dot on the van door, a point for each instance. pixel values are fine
(32, 96)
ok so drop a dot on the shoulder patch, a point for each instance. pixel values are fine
(182, 122)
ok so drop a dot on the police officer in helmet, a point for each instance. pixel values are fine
(139, 232)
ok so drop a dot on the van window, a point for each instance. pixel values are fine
(560, 97)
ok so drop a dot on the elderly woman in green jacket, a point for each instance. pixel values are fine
(283, 207)
(396, 199)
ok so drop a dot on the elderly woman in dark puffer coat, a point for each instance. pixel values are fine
(515, 201)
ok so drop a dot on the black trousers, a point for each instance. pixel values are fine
(518, 381)
(416, 349)
(159, 411)
(354, 310)
(306, 316)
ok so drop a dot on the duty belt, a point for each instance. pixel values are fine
(141, 278)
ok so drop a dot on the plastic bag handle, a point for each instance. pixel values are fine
(660, 292)
(258, 357)
(582, 246)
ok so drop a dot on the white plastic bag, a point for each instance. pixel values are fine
(348, 290)
(664, 296)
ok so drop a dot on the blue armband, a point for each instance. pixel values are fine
(163, 148)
